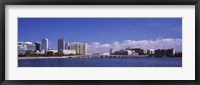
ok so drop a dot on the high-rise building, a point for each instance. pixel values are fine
(77, 48)
(37, 44)
(45, 44)
(80, 48)
(61, 44)
(85, 48)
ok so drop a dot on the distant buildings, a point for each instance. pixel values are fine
(66, 46)
(45, 44)
(138, 50)
(165, 52)
(61, 44)
(149, 52)
(80, 48)
(38, 46)
(123, 52)
(111, 51)
(25, 46)
(178, 54)
(67, 52)
(42, 48)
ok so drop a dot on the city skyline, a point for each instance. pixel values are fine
(104, 33)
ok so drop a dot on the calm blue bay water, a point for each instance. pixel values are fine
(101, 62)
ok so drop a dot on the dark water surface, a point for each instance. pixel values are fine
(101, 62)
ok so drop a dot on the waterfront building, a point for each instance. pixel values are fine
(134, 53)
(105, 54)
(31, 47)
(178, 54)
(150, 51)
(85, 45)
(80, 48)
(164, 52)
(40, 52)
(25, 46)
(22, 46)
(77, 48)
(68, 52)
(37, 52)
(53, 51)
(138, 50)
(61, 44)
(110, 51)
(21, 52)
(38, 45)
(122, 52)
(67, 46)
(157, 52)
(44, 44)
(170, 52)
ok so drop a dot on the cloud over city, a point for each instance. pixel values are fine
(164, 43)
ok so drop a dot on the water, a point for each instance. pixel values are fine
(101, 62)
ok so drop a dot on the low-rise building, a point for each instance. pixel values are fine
(53, 51)
(123, 52)
(150, 51)
(26, 46)
(21, 52)
(138, 50)
(164, 52)
(23, 47)
(67, 52)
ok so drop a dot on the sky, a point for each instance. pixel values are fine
(101, 34)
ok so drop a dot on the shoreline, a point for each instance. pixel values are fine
(23, 58)
(42, 57)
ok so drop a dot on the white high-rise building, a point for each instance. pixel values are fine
(85, 48)
(45, 44)
(80, 48)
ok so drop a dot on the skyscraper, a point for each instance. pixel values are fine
(61, 44)
(45, 44)
(85, 48)
(81, 49)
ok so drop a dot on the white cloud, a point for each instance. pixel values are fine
(105, 45)
(97, 47)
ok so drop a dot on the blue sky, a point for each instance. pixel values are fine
(98, 30)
